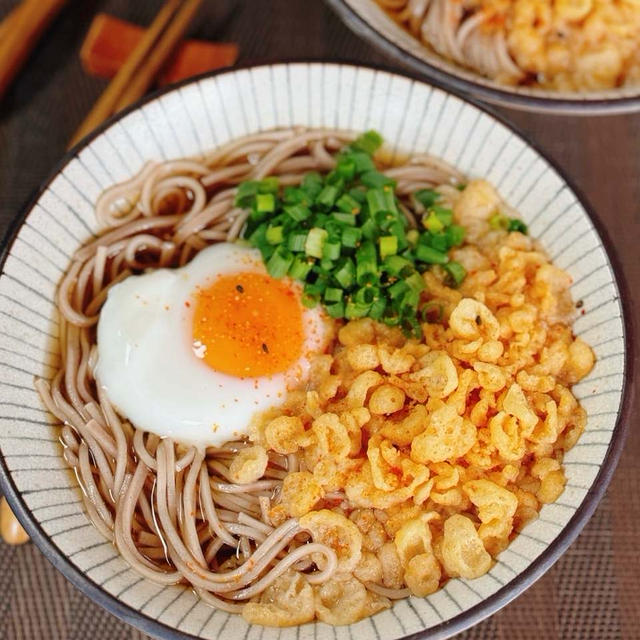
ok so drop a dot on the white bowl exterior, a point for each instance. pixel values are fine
(375, 16)
(412, 117)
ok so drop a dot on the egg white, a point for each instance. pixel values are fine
(148, 368)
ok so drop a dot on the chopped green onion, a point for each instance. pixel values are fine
(325, 265)
(300, 268)
(369, 142)
(345, 275)
(411, 327)
(334, 179)
(328, 196)
(333, 228)
(315, 242)
(444, 215)
(376, 201)
(455, 235)
(366, 263)
(432, 223)
(331, 250)
(279, 263)
(384, 219)
(427, 197)
(398, 289)
(265, 203)
(297, 212)
(396, 228)
(517, 225)
(246, 193)
(295, 195)
(344, 218)
(270, 184)
(358, 194)
(356, 310)
(437, 241)
(376, 180)
(257, 238)
(431, 255)
(316, 288)
(274, 235)
(348, 204)
(499, 221)
(409, 301)
(345, 238)
(346, 168)
(366, 295)
(369, 229)
(415, 282)
(388, 246)
(362, 161)
(351, 237)
(377, 308)
(312, 184)
(395, 265)
(297, 242)
(456, 272)
(335, 310)
(331, 294)
(257, 216)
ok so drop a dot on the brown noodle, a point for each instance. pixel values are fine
(458, 34)
(172, 511)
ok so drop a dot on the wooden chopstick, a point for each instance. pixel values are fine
(141, 67)
(159, 56)
(106, 104)
(20, 32)
(10, 20)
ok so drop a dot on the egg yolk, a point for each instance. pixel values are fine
(248, 325)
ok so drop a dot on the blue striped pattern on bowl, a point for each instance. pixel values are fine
(412, 117)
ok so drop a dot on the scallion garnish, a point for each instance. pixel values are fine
(274, 235)
(388, 246)
(499, 221)
(265, 203)
(517, 225)
(431, 255)
(426, 197)
(456, 272)
(344, 236)
(315, 241)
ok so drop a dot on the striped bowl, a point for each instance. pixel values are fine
(368, 20)
(198, 116)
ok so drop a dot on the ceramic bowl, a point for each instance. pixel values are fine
(200, 115)
(370, 22)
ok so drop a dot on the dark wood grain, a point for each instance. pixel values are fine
(593, 591)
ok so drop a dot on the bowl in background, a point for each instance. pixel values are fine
(369, 21)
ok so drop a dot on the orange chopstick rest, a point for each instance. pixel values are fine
(110, 40)
(198, 56)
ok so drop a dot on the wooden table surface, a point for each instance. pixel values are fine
(593, 592)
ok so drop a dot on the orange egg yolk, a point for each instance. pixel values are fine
(248, 325)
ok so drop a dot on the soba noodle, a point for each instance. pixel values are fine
(172, 511)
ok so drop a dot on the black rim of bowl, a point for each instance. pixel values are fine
(463, 620)
(476, 90)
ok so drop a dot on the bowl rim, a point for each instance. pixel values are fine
(461, 621)
(471, 90)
